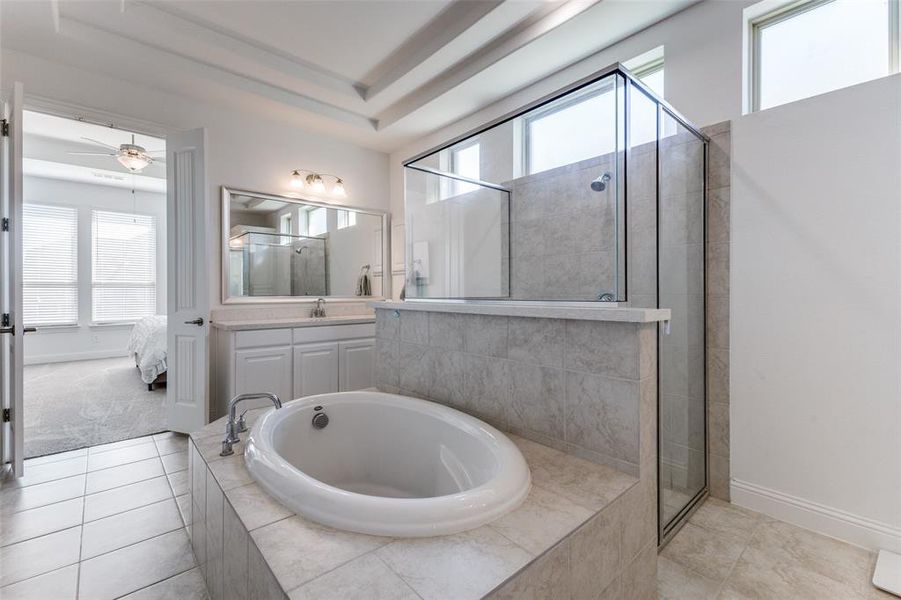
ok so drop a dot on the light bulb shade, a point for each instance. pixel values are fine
(315, 182)
(339, 190)
(133, 161)
(296, 180)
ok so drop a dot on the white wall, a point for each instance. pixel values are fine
(55, 344)
(816, 326)
(249, 153)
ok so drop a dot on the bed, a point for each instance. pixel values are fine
(148, 345)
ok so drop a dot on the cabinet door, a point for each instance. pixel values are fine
(356, 364)
(263, 370)
(315, 369)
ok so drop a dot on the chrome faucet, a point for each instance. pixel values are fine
(319, 311)
(235, 426)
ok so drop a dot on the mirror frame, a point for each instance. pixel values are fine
(225, 227)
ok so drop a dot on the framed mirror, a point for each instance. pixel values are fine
(285, 249)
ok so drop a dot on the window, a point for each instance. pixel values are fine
(801, 50)
(50, 265)
(284, 227)
(124, 266)
(346, 218)
(317, 221)
(465, 162)
(568, 132)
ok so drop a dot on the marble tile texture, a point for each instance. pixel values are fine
(101, 522)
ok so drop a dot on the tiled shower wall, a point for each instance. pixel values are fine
(572, 385)
(718, 236)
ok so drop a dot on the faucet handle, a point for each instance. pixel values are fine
(241, 425)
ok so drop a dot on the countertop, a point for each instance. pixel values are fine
(528, 309)
(291, 322)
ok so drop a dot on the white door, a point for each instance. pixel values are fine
(315, 369)
(12, 439)
(188, 289)
(356, 365)
(263, 370)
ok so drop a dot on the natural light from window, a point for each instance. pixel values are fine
(573, 132)
(124, 266)
(50, 265)
(821, 48)
(317, 222)
(465, 162)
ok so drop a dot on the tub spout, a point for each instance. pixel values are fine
(233, 426)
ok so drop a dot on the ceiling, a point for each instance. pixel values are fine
(378, 72)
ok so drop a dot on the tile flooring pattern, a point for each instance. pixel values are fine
(100, 523)
(726, 552)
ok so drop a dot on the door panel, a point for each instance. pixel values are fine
(356, 365)
(13, 438)
(315, 369)
(263, 370)
(188, 288)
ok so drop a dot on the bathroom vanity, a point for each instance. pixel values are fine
(290, 357)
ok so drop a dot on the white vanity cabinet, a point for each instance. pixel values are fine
(291, 362)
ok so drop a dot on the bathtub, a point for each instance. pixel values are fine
(386, 464)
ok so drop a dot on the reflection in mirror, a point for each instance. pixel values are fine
(282, 247)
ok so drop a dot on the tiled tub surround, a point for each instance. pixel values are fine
(569, 383)
(585, 531)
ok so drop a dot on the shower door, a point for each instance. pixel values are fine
(680, 279)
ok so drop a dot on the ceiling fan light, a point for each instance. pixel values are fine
(338, 189)
(133, 162)
(315, 182)
(296, 179)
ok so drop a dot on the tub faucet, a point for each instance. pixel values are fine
(235, 426)
(319, 311)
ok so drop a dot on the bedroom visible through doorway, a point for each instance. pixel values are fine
(94, 284)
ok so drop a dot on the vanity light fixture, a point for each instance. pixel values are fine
(316, 182)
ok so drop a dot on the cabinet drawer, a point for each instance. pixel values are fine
(331, 333)
(256, 338)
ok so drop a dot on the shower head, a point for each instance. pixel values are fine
(600, 184)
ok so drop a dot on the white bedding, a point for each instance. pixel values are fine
(148, 342)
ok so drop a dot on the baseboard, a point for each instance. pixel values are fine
(860, 531)
(45, 359)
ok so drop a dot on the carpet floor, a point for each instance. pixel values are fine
(85, 403)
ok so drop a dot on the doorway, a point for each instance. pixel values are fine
(94, 284)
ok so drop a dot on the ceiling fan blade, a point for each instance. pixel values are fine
(99, 143)
(155, 151)
(93, 153)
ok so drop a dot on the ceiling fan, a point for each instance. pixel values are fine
(131, 156)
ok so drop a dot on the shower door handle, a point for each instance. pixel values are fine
(198, 321)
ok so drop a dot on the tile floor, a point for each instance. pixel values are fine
(100, 523)
(731, 553)
(106, 522)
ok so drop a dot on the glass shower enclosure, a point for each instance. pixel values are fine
(594, 194)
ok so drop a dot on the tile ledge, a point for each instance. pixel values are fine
(535, 310)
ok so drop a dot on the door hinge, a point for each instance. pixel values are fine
(4, 320)
(7, 417)
(4, 224)
(5, 128)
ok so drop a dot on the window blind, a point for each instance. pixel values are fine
(50, 265)
(124, 266)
